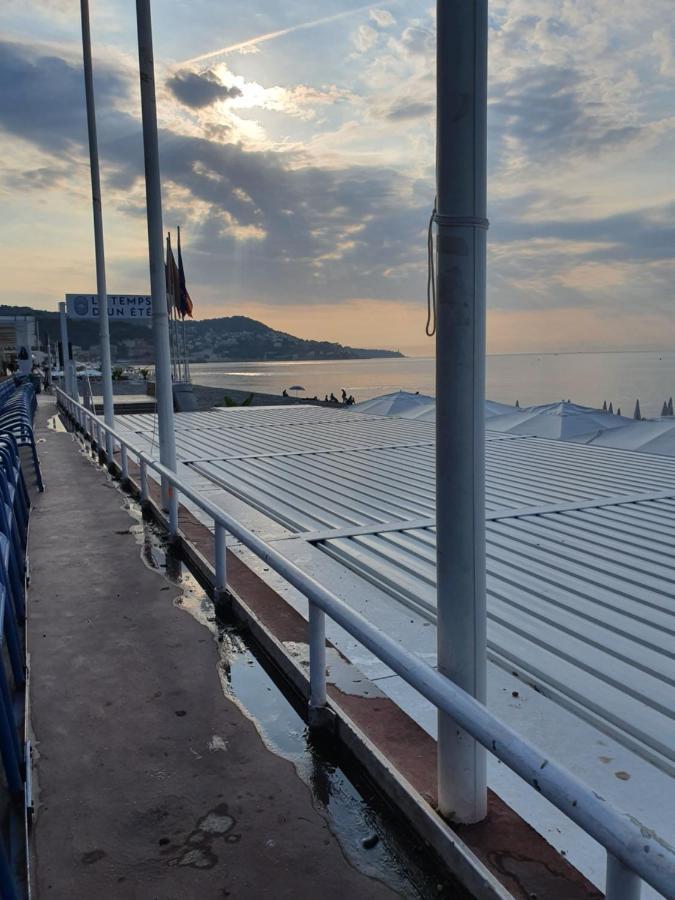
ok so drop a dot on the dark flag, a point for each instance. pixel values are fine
(184, 303)
(172, 278)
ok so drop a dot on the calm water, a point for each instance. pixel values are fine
(587, 378)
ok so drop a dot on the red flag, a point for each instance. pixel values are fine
(184, 304)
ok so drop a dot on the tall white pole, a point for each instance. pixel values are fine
(153, 195)
(103, 325)
(460, 390)
(67, 377)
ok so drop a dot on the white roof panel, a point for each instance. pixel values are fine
(580, 552)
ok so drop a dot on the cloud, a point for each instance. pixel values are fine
(416, 40)
(42, 96)
(316, 193)
(382, 18)
(404, 110)
(252, 44)
(364, 38)
(200, 90)
(547, 113)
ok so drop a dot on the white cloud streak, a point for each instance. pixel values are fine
(273, 35)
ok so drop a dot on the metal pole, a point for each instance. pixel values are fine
(124, 463)
(220, 553)
(460, 390)
(317, 657)
(48, 378)
(173, 513)
(621, 883)
(144, 481)
(67, 379)
(103, 325)
(153, 194)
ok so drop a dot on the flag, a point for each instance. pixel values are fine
(172, 278)
(184, 303)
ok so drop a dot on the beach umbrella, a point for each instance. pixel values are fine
(296, 387)
(637, 414)
(670, 406)
(492, 408)
(397, 404)
(559, 421)
(427, 413)
(648, 436)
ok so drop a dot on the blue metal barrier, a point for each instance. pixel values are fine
(17, 410)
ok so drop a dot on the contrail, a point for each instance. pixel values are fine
(271, 35)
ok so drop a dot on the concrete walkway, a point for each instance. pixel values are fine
(133, 800)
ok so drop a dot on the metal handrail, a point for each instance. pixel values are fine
(634, 850)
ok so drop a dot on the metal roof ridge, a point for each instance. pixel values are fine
(496, 515)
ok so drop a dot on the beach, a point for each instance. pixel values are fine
(585, 378)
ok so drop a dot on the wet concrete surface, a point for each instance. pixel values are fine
(151, 781)
(372, 837)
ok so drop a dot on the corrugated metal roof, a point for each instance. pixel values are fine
(580, 543)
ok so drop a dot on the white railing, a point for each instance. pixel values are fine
(634, 851)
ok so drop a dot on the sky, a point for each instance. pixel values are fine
(297, 154)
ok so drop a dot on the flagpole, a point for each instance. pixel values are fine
(153, 193)
(176, 340)
(461, 73)
(103, 324)
(170, 300)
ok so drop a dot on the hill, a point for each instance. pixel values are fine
(228, 338)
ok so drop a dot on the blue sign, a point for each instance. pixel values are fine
(120, 306)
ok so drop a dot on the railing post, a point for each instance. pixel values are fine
(144, 480)
(318, 714)
(220, 559)
(124, 463)
(173, 511)
(102, 456)
(621, 883)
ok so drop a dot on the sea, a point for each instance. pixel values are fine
(589, 379)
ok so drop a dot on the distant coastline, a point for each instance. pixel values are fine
(226, 339)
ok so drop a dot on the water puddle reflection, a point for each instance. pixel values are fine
(371, 837)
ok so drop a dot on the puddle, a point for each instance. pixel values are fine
(56, 424)
(371, 837)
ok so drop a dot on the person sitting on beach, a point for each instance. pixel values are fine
(333, 398)
(325, 399)
(284, 393)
